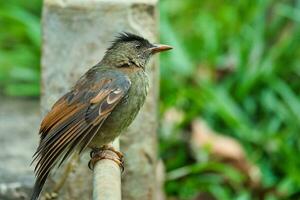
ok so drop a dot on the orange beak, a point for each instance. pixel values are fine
(159, 48)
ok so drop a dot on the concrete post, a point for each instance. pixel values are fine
(75, 36)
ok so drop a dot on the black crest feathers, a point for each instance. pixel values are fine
(129, 37)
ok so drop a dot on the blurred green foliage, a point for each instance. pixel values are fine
(235, 64)
(20, 47)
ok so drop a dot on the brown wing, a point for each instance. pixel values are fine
(74, 120)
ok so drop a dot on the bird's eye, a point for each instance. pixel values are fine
(138, 46)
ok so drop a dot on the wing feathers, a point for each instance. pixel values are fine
(73, 122)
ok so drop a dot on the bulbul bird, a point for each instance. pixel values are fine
(103, 102)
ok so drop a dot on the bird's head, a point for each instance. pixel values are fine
(129, 50)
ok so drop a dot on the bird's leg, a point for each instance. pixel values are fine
(106, 152)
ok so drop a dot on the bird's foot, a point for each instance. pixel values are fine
(106, 152)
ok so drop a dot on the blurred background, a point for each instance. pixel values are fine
(229, 113)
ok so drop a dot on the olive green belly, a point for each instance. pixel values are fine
(123, 115)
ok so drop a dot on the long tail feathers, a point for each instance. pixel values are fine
(56, 150)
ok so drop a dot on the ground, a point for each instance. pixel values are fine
(19, 122)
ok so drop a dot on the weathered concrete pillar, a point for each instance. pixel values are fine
(75, 36)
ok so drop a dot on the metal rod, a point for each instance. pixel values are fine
(107, 178)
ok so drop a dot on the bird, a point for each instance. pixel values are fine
(98, 108)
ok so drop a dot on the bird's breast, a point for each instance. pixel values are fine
(126, 111)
